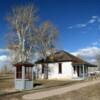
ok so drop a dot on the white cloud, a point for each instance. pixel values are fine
(4, 58)
(96, 43)
(4, 55)
(94, 17)
(81, 25)
(4, 50)
(70, 27)
(92, 20)
(88, 53)
(77, 26)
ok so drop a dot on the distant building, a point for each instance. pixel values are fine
(63, 65)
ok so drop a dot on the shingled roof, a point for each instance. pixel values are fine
(63, 56)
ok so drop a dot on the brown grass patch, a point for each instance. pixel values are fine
(6, 83)
(87, 93)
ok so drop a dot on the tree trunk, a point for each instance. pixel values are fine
(20, 44)
(46, 71)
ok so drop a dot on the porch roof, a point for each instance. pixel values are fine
(25, 64)
(63, 56)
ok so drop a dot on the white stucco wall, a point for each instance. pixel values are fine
(39, 74)
(67, 71)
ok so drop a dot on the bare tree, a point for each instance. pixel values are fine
(26, 37)
(5, 69)
(46, 40)
(22, 20)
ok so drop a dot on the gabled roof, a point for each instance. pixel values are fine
(63, 56)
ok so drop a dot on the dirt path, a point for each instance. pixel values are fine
(58, 91)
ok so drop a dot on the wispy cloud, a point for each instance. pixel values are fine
(96, 43)
(81, 25)
(92, 20)
(4, 55)
(70, 27)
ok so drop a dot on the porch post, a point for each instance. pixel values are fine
(23, 76)
(15, 69)
(76, 71)
(83, 72)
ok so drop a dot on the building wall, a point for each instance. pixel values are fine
(75, 75)
(67, 71)
(23, 84)
(19, 84)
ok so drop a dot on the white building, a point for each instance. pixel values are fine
(62, 65)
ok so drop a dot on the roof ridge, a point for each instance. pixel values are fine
(61, 56)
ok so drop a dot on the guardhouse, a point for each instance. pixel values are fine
(23, 76)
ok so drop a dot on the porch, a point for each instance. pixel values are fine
(80, 71)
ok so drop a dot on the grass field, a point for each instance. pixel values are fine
(6, 84)
(87, 93)
(6, 81)
(53, 83)
(40, 85)
(9, 83)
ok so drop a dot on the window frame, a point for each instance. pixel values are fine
(28, 73)
(43, 68)
(60, 68)
(18, 72)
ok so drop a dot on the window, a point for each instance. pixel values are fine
(28, 73)
(43, 66)
(74, 67)
(60, 68)
(18, 72)
(81, 69)
(85, 69)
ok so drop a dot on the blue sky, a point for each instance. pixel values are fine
(77, 20)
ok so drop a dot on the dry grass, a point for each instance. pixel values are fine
(87, 93)
(53, 83)
(42, 85)
(6, 84)
(6, 81)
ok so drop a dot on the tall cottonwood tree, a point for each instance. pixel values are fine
(22, 20)
(26, 37)
(46, 40)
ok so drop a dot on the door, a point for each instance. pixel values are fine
(78, 70)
